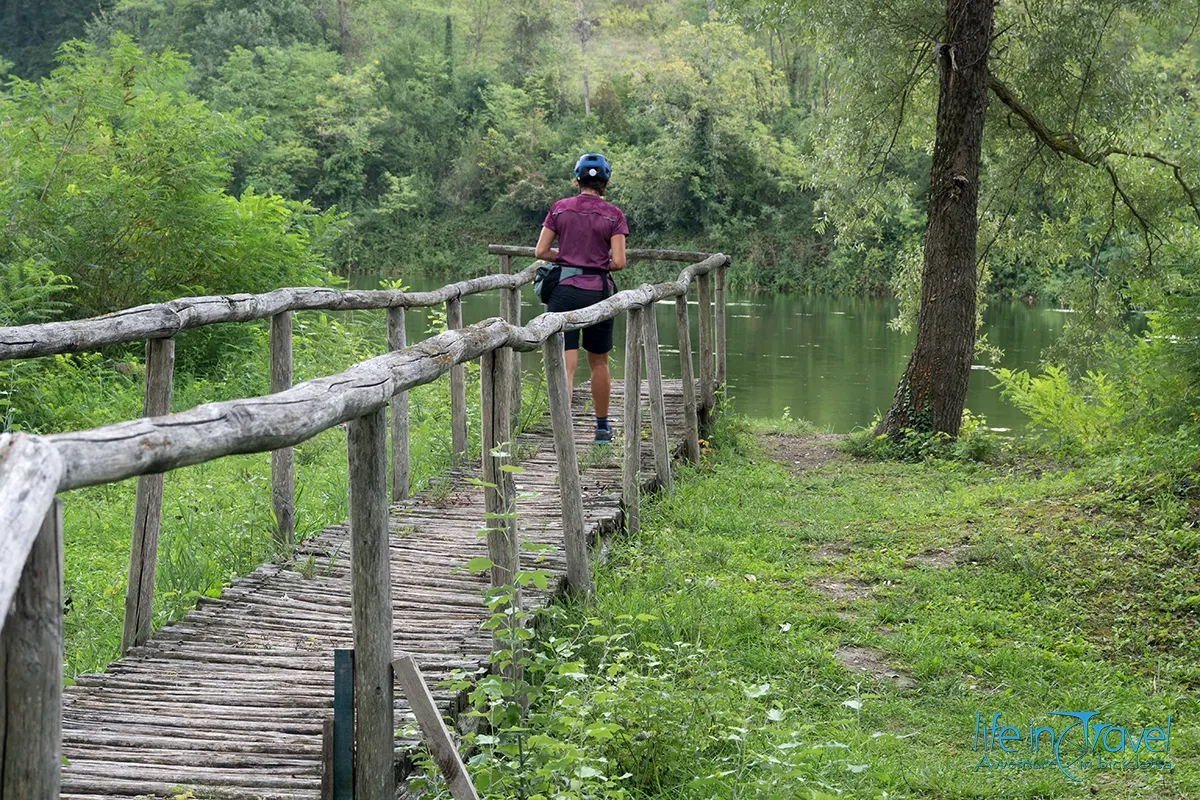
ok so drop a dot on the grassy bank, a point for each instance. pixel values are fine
(793, 622)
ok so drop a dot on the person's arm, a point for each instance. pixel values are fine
(617, 243)
(544, 249)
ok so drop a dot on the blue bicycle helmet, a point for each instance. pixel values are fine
(594, 166)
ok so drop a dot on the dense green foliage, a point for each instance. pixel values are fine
(713, 663)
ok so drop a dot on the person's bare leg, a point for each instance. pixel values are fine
(572, 359)
(601, 383)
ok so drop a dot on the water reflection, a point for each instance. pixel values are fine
(832, 360)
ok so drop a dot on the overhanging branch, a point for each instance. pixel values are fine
(1067, 144)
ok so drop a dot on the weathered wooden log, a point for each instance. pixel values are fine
(437, 736)
(31, 653)
(632, 433)
(510, 310)
(254, 425)
(399, 412)
(30, 471)
(658, 406)
(691, 422)
(283, 475)
(499, 490)
(458, 391)
(371, 600)
(633, 255)
(706, 399)
(147, 512)
(719, 327)
(167, 319)
(579, 571)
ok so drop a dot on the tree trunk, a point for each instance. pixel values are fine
(932, 392)
(344, 45)
(583, 27)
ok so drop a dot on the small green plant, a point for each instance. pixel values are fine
(1072, 419)
(308, 567)
(597, 455)
(975, 442)
(440, 488)
(437, 321)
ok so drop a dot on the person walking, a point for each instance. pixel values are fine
(590, 232)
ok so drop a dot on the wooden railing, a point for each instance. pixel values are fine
(33, 469)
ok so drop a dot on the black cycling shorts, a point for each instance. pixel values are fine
(597, 338)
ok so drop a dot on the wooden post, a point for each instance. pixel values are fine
(719, 326)
(371, 604)
(500, 493)
(283, 475)
(399, 412)
(510, 309)
(327, 759)
(147, 514)
(31, 656)
(579, 571)
(631, 475)
(707, 400)
(458, 392)
(658, 405)
(341, 782)
(437, 735)
(691, 422)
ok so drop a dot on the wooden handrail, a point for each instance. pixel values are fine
(207, 432)
(162, 320)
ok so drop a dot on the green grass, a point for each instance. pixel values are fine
(722, 679)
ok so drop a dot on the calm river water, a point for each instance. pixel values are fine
(831, 360)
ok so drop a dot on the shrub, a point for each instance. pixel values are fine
(975, 442)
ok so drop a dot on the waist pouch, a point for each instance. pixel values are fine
(547, 277)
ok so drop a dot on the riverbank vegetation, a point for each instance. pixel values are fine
(796, 623)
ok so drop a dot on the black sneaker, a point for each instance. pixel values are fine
(603, 435)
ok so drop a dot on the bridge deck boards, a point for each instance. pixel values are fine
(229, 701)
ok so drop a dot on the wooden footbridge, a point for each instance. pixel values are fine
(234, 701)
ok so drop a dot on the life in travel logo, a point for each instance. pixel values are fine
(1078, 742)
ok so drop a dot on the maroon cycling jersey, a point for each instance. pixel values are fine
(585, 225)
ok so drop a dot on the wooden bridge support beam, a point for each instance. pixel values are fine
(31, 656)
(371, 605)
(658, 407)
(500, 489)
(704, 295)
(399, 412)
(437, 735)
(719, 327)
(691, 424)
(510, 310)
(632, 414)
(458, 392)
(147, 513)
(579, 570)
(283, 474)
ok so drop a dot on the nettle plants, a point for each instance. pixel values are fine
(527, 744)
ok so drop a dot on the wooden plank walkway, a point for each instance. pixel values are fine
(229, 701)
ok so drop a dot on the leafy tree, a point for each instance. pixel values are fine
(116, 179)
(279, 88)
(30, 33)
(1086, 175)
(932, 392)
